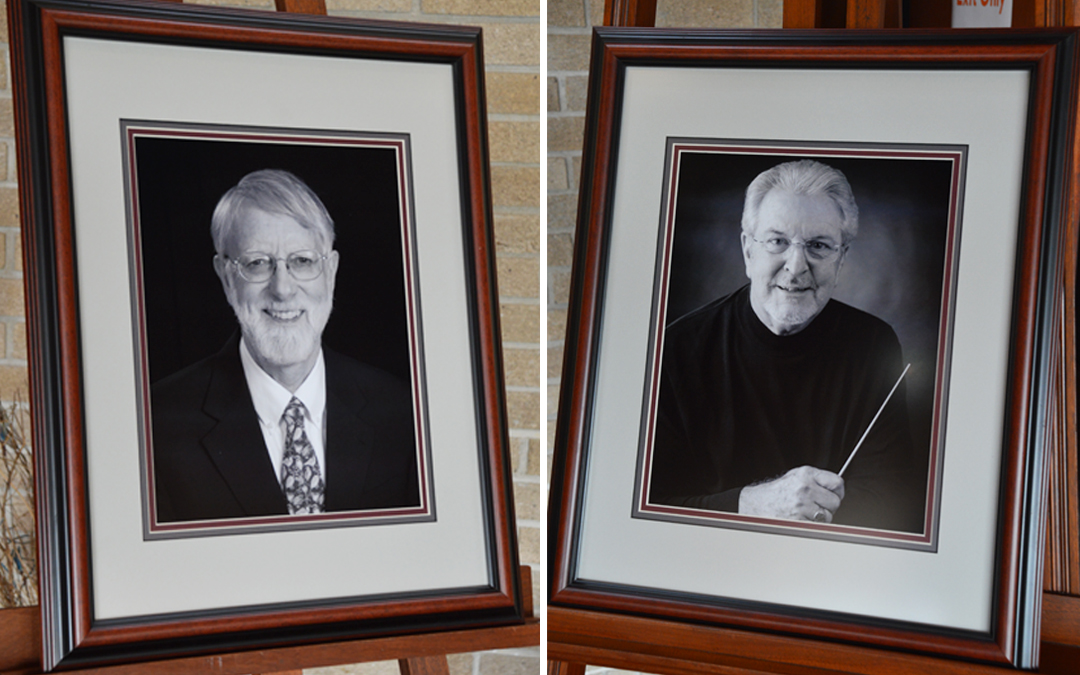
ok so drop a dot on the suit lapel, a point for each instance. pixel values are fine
(348, 441)
(235, 444)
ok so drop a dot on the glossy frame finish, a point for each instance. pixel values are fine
(71, 637)
(589, 620)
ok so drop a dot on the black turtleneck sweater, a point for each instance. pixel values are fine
(739, 404)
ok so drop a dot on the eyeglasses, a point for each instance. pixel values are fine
(815, 249)
(259, 267)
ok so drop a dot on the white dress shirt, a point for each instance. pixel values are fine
(271, 399)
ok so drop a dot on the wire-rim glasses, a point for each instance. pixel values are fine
(258, 267)
(815, 248)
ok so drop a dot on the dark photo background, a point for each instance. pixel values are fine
(894, 268)
(187, 317)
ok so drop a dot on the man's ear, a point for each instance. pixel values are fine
(221, 268)
(747, 243)
(332, 259)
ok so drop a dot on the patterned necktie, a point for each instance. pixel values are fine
(300, 476)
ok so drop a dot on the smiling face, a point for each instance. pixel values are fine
(282, 319)
(789, 289)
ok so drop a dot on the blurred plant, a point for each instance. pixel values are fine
(18, 559)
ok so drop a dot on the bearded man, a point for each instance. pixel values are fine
(274, 423)
(766, 392)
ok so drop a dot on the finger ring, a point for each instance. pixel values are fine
(819, 517)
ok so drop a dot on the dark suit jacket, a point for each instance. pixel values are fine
(210, 460)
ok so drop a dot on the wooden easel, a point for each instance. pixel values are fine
(577, 637)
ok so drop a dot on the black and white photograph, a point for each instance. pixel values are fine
(279, 329)
(803, 308)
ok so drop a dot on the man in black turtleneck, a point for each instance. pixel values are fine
(765, 392)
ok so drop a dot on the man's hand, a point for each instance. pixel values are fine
(804, 493)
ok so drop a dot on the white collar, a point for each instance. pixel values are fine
(271, 398)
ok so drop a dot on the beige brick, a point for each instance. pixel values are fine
(517, 233)
(514, 141)
(566, 12)
(522, 366)
(3, 248)
(460, 664)
(482, 7)
(577, 92)
(519, 455)
(565, 133)
(558, 178)
(515, 186)
(552, 94)
(11, 298)
(494, 663)
(728, 14)
(3, 158)
(568, 52)
(575, 173)
(513, 93)
(18, 254)
(560, 249)
(539, 587)
(13, 382)
(519, 277)
(3, 69)
(3, 342)
(529, 547)
(523, 409)
(554, 361)
(520, 323)
(9, 207)
(556, 324)
(527, 501)
(553, 397)
(562, 211)
(770, 14)
(532, 466)
(512, 43)
(596, 12)
(368, 6)
(18, 340)
(560, 286)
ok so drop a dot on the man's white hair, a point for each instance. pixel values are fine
(803, 177)
(273, 191)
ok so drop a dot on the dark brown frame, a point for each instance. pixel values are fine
(71, 637)
(627, 627)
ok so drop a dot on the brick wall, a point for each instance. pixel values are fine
(512, 34)
(13, 379)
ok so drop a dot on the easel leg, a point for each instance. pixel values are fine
(424, 665)
(565, 668)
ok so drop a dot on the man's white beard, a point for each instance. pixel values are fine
(283, 344)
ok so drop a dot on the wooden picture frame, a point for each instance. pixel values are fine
(811, 93)
(212, 71)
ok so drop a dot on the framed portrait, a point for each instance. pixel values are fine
(810, 344)
(264, 330)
